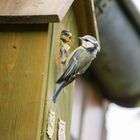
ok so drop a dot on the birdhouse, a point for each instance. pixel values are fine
(30, 64)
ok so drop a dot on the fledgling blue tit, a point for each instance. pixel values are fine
(78, 62)
(66, 38)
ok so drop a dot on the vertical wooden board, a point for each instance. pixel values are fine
(23, 64)
(63, 105)
(86, 18)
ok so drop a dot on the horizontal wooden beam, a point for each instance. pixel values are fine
(33, 11)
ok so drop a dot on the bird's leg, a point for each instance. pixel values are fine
(75, 75)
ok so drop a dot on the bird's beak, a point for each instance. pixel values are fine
(80, 38)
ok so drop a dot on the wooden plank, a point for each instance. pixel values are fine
(85, 16)
(23, 77)
(63, 105)
(33, 11)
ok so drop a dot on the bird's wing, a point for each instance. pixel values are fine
(72, 65)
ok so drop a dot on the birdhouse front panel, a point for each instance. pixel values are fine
(63, 105)
(23, 77)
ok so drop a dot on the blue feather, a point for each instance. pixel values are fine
(71, 66)
(57, 92)
(93, 48)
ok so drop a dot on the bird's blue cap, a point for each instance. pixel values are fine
(66, 32)
(89, 38)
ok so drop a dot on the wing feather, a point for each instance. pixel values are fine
(72, 65)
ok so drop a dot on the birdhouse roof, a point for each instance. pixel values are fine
(33, 11)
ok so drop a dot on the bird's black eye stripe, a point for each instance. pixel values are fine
(86, 40)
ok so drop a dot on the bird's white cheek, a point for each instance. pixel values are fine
(83, 43)
(89, 45)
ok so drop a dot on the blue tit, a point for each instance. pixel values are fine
(78, 62)
(66, 39)
(66, 36)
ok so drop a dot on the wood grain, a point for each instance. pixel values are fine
(23, 74)
(29, 65)
(33, 11)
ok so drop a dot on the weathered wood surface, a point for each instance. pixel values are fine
(33, 11)
(63, 105)
(29, 67)
(23, 77)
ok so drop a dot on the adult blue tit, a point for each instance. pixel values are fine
(78, 62)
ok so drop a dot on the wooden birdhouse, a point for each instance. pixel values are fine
(30, 64)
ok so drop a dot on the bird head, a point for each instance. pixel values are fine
(90, 43)
(66, 36)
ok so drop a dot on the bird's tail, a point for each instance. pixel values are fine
(55, 95)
